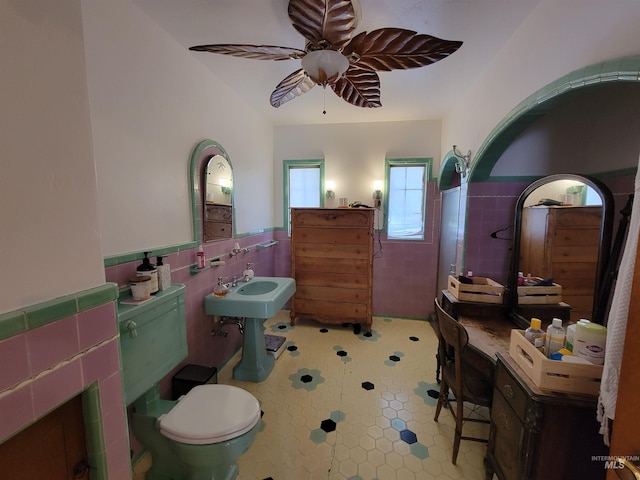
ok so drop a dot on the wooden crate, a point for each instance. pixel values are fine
(542, 295)
(483, 290)
(553, 375)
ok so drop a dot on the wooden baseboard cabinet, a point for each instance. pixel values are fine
(332, 263)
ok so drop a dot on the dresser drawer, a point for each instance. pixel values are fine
(217, 230)
(329, 252)
(327, 236)
(512, 392)
(508, 437)
(340, 311)
(577, 237)
(343, 217)
(569, 254)
(218, 213)
(335, 280)
(336, 265)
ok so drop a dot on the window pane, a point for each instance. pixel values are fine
(304, 187)
(406, 202)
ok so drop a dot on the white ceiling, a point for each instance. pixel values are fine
(484, 27)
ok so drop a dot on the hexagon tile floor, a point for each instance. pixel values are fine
(343, 405)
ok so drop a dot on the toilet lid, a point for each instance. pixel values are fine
(211, 414)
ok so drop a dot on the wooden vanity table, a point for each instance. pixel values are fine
(534, 434)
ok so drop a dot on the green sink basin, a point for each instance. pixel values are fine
(261, 297)
(258, 288)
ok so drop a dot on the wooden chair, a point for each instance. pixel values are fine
(466, 381)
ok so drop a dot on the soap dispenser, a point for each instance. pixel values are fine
(148, 268)
(248, 274)
(221, 289)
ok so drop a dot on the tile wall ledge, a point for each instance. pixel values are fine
(40, 314)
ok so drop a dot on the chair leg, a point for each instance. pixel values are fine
(458, 435)
(443, 397)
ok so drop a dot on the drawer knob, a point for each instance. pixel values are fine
(508, 390)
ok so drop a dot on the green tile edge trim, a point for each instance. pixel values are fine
(34, 316)
(94, 433)
(623, 69)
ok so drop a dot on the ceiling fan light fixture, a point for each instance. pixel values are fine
(324, 66)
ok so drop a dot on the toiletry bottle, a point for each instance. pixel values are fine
(554, 338)
(148, 268)
(164, 274)
(248, 273)
(535, 334)
(571, 333)
(200, 256)
(520, 279)
(220, 289)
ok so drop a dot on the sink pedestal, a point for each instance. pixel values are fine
(256, 364)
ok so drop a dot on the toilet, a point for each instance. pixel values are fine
(201, 435)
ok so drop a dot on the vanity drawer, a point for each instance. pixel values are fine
(512, 392)
(508, 437)
(318, 217)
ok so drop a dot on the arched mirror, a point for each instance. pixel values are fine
(212, 192)
(563, 229)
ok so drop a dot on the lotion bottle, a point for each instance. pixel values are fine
(554, 337)
(164, 274)
(200, 256)
(148, 268)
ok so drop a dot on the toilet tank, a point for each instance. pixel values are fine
(153, 340)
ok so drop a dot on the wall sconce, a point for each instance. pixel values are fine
(330, 184)
(224, 186)
(377, 193)
(463, 161)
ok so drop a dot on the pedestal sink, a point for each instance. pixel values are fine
(256, 300)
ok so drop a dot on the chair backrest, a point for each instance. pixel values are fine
(451, 331)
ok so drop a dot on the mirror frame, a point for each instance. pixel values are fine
(606, 231)
(200, 156)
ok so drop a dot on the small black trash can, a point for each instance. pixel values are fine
(191, 376)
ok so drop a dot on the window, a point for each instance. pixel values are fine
(406, 197)
(303, 185)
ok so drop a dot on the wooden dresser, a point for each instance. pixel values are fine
(563, 243)
(538, 435)
(217, 221)
(332, 263)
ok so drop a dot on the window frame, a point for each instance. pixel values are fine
(427, 163)
(287, 165)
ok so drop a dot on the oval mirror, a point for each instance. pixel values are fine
(218, 204)
(563, 226)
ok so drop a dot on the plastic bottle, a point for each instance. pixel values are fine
(248, 274)
(590, 342)
(554, 338)
(520, 279)
(148, 268)
(571, 334)
(220, 289)
(535, 334)
(164, 274)
(200, 256)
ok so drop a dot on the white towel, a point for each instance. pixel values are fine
(617, 322)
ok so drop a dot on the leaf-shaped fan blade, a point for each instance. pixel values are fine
(291, 87)
(258, 52)
(396, 48)
(324, 21)
(359, 87)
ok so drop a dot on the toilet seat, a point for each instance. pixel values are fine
(211, 414)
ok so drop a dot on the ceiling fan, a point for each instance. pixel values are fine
(334, 56)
